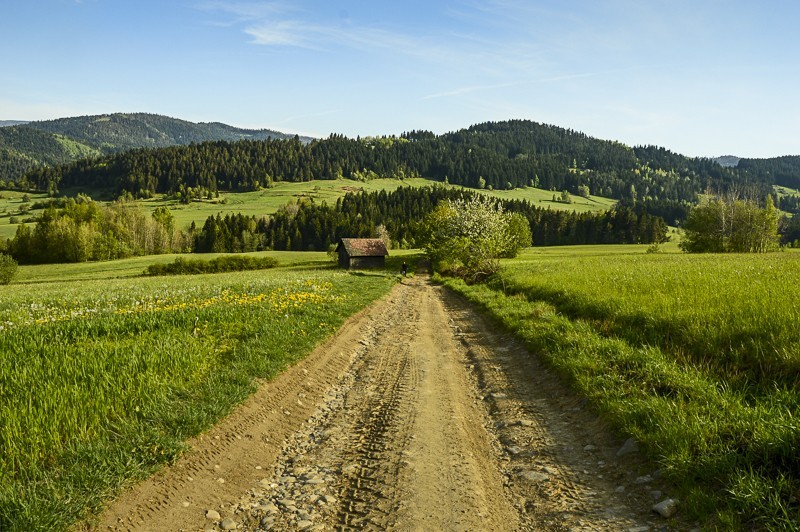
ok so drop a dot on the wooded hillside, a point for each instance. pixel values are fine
(55, 142)
(499, 155)
(493, 155)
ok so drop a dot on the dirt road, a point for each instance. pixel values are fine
(418, 415)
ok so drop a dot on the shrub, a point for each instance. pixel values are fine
(182, 266)
(8, 268)
(655, 247)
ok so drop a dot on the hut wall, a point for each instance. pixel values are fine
(344, 258)
(367, 262)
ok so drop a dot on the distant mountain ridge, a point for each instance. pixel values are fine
(728, 161)
(26, 145)
(121, 131)
(9, 123)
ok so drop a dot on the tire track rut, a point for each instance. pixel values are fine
(372, 461)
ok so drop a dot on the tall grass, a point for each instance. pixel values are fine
(734, 314)
(100, 382)
(694, 356)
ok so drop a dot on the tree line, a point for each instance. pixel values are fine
(84, 230)
(307, 226)
(790, 204)
(79, 229)
(783, 171)
(23, 148)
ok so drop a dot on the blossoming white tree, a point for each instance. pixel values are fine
(466, 237)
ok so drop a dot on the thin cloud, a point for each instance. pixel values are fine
(244, 11)
(278, 25)
(281, 33)
(477, 88)
(467, 90)
(364, 39)
(230, 13)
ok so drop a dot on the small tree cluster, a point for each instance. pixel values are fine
(8, 268)
(466, 237)
(84, 230)
(731, 226)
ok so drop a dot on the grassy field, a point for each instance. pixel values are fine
(90, 395)
(544, 199)
(268, 201)
(134, 267)
(696, 356)
(785, 191)
(10, 203)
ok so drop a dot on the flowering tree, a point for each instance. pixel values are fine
(466, 237)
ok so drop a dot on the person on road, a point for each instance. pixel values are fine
(404, 269)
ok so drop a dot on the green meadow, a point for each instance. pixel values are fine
(696, 356)
(105, 373)
(12, 205)
(544, 199)
(135, 266)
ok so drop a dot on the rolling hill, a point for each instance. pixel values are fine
(119, 131)
(494, 155)
(27, 145)
(729, 161)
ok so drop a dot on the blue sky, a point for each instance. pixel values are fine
(700, 77)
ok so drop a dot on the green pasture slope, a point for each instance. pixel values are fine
(103, 374)
(696, 356)
(10, 204)
(269, 200)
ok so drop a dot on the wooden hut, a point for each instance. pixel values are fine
(357, 253)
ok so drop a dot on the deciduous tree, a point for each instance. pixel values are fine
(468, 236)
(733, 225)
(8, 268)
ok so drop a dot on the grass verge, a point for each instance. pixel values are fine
(723, 429)
(101, 382)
